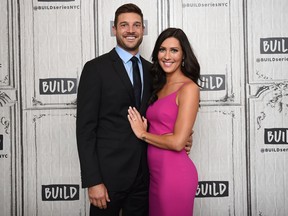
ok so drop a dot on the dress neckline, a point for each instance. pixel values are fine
(172, 92)
(168, 95)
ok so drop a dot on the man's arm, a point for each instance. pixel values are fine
(88, 102)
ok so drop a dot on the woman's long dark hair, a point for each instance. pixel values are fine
(191, 67)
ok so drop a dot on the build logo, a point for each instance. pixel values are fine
(276, 136)
(212, 82)
(55, 0)
(1, 142)
(212, 189)
(275, 45)
(60, 192)
(58, 86)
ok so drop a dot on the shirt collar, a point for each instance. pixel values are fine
(124, 55)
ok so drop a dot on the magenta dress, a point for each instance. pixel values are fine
(173, 175)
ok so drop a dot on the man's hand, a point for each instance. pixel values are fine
(98, 196)
(189, 143)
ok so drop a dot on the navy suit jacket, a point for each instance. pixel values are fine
(109, 152)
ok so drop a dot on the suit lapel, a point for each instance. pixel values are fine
(121, 72)
(123, 76)
(147, 85)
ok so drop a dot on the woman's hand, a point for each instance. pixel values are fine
(188, 145)
(138, 123)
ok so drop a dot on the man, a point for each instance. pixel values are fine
(113, 161)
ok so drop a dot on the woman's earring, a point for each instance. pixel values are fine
(183, 64)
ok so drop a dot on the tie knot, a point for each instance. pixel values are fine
(134, 59)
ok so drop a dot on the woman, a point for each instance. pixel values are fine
(171, 116)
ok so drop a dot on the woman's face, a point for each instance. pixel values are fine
(170, 55)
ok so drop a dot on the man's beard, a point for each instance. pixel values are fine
(123, 45)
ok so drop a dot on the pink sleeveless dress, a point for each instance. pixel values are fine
(173, 175)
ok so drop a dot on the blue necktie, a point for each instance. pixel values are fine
(136, 82)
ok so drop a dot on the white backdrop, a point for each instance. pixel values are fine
(240, 144)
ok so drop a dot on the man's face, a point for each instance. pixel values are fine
(129, 32)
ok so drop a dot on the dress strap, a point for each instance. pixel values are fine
(182, 86)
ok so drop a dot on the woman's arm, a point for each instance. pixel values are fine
(188, 103)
